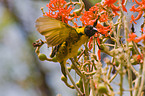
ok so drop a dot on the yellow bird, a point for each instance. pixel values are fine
(66, 39)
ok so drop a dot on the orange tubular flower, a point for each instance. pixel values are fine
(110, 3)
(143, 30)
(139, 58)
(123, 7)
(104, 30)
(89, 17)
(59, 10)
(90, 43)
(140, 9)
(142, 37)
(99, 51)
(131, 37)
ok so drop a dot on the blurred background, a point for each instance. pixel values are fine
(21, 72)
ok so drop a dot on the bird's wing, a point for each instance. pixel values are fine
(55, 31)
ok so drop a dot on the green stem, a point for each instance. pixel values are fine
(128, 55)
(135, 47)
(134, 71)
(112, 78)
(76, 68)
(72, 81)
(121, 79)
(86, 86)
(138, 80)
(92, 87)
(66, 83)
(118, 30)
(143, 77)
(109, 72)
(130, 79)
(114, 31)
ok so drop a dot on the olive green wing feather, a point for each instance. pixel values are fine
(55, 31)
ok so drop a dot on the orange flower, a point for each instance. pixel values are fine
(99, 51)
(98, 41)
(143, 30)
(103, 30)
(110, 3)
(133, 19)
(142, 37)
(89, 17)
(99, 54)
(59, 10)
(55, 5)
(90, 43)
(140, 9)
(131, 37)
(139, 57)
(123, 7)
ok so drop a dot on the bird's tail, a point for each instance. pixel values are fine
(63, 66)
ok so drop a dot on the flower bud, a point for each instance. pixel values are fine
(42, 57)
(69, 69)
(102, 88)
(63, 78)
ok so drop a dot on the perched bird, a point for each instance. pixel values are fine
(64, 37)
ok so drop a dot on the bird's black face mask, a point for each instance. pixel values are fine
(90, 30)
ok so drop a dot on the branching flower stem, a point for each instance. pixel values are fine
(76, 68)
(109, 72)
(135, 47)
(137, 83)
(92, 87)
(121, 79)
(72, 81)
(128, 55)
(112, 78)
(86, 86)
(143, 75)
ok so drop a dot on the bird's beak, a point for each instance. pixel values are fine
(95, 29)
